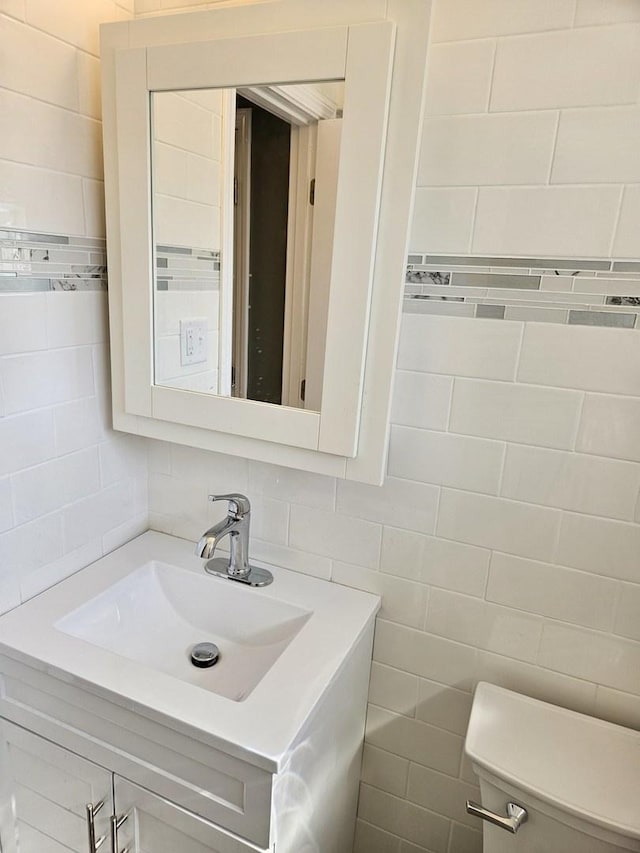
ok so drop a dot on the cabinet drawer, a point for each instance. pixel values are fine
(154, 825)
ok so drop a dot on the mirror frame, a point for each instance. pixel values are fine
(277, 41)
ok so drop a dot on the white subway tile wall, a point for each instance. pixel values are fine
(517, 107)
(73, 489)
(443, 219)
(52, 179)
(70, 488)
(505, 542)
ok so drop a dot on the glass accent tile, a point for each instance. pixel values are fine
(623, 300)
(532, 314)
(626, 266)
(493, 312)
(173, 250)
(513, 282)
(24, 285)
(33, 237)
(541, 263)
(602, 318)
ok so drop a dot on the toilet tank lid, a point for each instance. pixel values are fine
(577, 763)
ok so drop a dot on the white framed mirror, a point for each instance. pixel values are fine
(247, 172)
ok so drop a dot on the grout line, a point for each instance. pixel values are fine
(488, 578)
(539, 643)
(575, 14)
(519, 353)
(450, 403)
(492, 75)
(623, 193)
(578, 425)
(474, 214)
(555, 547)
(525, 34)
(616, 607)
(554, 149)
(450, 836)
(60, 40)
(523, 186)
(56, 171)
(435, 520)
(426, 620)
(503, 466)
(74, 112)
(388, 832)
(288, 533)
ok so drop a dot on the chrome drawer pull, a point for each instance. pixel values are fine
(516, 816)
(91, 812)
(116, 823)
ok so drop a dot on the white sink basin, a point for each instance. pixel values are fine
(124, 627)
(159, 612)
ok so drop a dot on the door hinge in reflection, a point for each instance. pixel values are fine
(235, 191)
(312, 192)
(303, 389)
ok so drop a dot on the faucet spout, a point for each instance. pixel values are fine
(210, 540)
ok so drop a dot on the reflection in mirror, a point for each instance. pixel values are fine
(243, 193)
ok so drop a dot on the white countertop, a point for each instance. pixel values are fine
(260, 728)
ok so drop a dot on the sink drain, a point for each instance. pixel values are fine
(204, 655)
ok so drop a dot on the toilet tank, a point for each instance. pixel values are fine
(577, 777)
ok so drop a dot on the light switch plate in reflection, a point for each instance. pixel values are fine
(193, 341)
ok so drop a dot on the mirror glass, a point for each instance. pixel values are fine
(244, 184)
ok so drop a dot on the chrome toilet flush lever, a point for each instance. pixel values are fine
(236, 527)
(514, 819)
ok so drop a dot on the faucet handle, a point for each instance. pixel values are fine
(239, 505)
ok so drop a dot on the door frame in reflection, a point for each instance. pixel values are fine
(313, 180)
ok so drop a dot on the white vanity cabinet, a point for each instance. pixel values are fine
(52, 800)
(156, 777)
(192, 770)
(179, 795)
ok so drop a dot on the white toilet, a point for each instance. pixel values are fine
(576, 778)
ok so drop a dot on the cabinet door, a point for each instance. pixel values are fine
(151, 824)
(44, 794)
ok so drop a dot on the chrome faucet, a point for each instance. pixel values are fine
(236, 527)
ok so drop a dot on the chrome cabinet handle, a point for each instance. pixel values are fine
(91, 812)
(116, 823)
(516, 816)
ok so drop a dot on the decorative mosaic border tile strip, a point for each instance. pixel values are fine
(183, 269)
(32, 262)
(548, 290)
